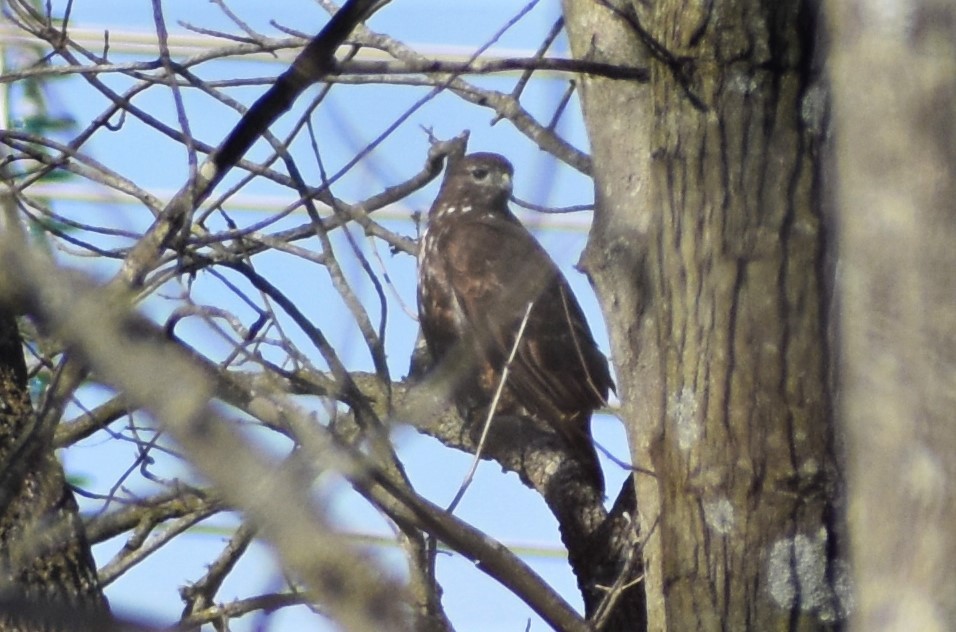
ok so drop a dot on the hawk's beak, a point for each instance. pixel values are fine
(506, 182)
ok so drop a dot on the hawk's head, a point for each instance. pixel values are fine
(477, 181)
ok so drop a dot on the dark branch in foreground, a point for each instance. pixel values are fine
(489, 66)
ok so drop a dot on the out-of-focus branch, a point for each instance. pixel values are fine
(45, 555)
(121, 349)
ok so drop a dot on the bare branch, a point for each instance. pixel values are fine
(490, 66)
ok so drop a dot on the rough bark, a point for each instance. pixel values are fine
(708, 256)
(615, 256)
(894, 83)
(603, 546)
(47, 574)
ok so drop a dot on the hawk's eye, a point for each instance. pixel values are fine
(479, 173)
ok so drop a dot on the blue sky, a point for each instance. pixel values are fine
(349, 118)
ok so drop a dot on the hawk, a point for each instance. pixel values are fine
(479, 271)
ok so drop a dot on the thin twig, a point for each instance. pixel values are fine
(491, 411)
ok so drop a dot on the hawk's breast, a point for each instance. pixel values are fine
(440, 313)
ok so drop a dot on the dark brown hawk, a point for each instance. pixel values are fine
(479, 269)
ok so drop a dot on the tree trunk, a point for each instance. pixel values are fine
(894, 83)
(708, 256)
(47, 576)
